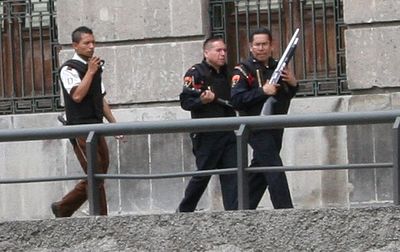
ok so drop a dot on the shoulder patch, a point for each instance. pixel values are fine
(248, 76)
(188, 81)
(235, 79)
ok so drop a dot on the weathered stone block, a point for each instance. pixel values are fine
(123, 20)
(372, 57)
(156, 113)
(31, 159)
(395, 100)
(383, 142)
(134, 159)
(377, 147)
(67, 22)
(5, 122)
(373, 102)
(112, 186)
(145, 73)
(363, 144)
(188, 17)
(370, 11)
(316, 146)
(166, 157)
(360, 150)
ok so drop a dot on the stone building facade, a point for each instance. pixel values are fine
(147, 46)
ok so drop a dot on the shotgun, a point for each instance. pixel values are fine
(268, 106)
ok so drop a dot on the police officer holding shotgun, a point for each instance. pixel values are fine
(250, 90)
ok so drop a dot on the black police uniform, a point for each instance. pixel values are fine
(248, 98)
(213, 150)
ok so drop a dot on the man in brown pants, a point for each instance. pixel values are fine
(83, 93)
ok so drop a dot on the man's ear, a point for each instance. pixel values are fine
(205, 53)
(74, 45)
(251, 50)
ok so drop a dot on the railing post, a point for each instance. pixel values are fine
(93, 188)
(242, 136)
(396, 165)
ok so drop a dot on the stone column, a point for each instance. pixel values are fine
(373, 57)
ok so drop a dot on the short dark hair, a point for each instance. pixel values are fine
(77, 33)
(211, 40)
(261, 30)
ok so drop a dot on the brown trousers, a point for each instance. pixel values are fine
(73, 200)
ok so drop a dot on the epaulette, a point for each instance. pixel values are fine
(239, 67)
(246, 73)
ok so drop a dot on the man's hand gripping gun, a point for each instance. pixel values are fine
(268, 106)
(199, 88)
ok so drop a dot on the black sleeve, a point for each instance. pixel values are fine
(292, 90)
(289, 91)
(244, 92)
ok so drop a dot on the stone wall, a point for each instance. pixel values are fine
(163, 153)
(372, 37)
(147, 45)
(372, 57)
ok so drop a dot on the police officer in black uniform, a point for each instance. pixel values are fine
(205, 92)
(250, 89)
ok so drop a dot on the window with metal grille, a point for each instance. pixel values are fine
(319, 62)
(28, 59)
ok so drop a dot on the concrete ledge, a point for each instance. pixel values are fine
(355, 229)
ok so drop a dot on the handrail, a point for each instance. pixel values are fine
(201, 125)
(203, 173)
(242, 125)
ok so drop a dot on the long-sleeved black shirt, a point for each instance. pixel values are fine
(199, 78)
(247, 95)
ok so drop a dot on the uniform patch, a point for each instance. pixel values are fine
(235, 80)
(250, 80)
(188, 81)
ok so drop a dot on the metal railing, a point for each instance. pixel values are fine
(242, 126)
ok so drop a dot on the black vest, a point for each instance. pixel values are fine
(90, 109)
